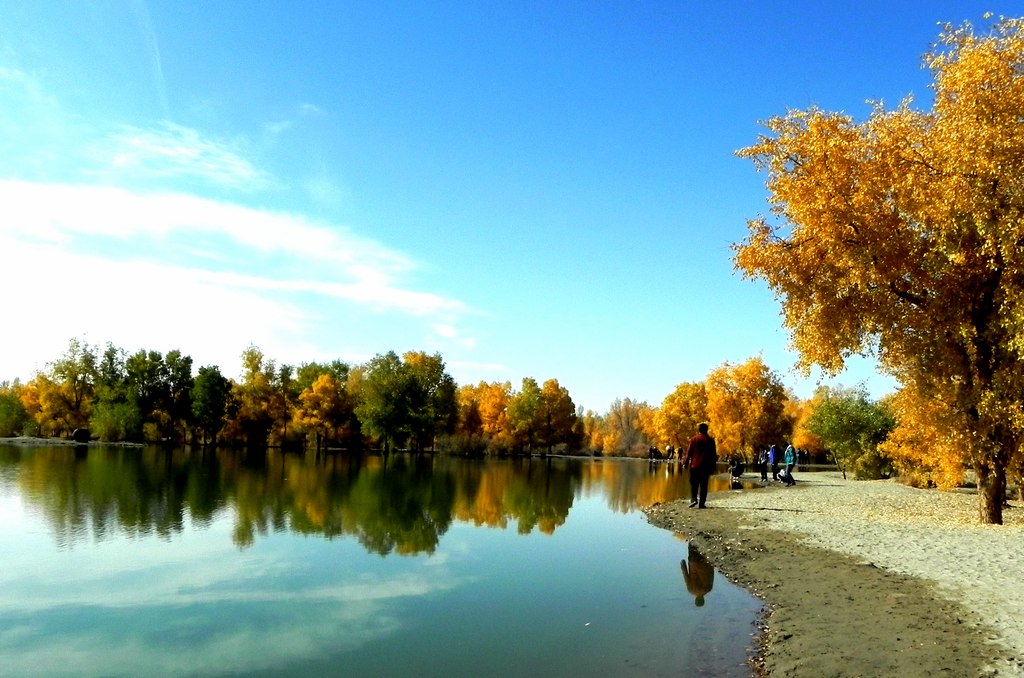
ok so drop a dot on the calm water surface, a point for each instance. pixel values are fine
(118, 561)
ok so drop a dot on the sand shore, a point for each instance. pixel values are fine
(868, 578)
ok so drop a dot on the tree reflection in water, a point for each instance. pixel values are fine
(402, 504)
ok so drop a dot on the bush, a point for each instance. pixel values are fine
(115, 422)
(462, 444)
(872, 465)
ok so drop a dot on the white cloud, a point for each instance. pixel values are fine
(108, 264)
(88, 254)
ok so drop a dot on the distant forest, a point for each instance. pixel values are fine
(410, 402)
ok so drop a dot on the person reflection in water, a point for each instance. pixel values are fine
(698, 575)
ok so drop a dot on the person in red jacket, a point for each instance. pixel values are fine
(701, 457)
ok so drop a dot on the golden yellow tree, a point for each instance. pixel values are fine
(746, 408)
(623, 428)
(924, 447)
(902, 235)
(60, 399)
(557, 416)
(483, 408)
(676, 421)
(324, 408)
(799, 412)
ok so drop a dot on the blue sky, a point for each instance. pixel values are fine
(532, 189)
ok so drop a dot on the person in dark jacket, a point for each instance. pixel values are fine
(701, 457)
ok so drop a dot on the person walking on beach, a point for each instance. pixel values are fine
(773, 461)
(790, 459)
(701, 457)
(762, 463)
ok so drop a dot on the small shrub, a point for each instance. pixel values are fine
(872, 466)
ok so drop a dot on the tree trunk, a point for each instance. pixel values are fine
(991, 491)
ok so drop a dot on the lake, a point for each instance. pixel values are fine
(145, 561)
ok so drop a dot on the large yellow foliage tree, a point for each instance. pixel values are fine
(746, 407)
(483, 410)
(903, 235)
(682, 410)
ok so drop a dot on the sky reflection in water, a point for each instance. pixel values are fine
(129, 562)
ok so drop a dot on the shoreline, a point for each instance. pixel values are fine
(867, 578)
(34, 441)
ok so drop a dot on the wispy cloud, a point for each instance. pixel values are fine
(40, 138)
(176, 151)
(140, 234)
(122, 266)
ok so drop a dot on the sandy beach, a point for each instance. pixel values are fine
(868, 578)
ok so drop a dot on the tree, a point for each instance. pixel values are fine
(389, 395)
(747, 407)
(324, 403)
(324, 408)
(483, 417)
(438, 413)
(557, 416)
(799, 412)
(852, 426)
(524, 414)
(147, 380)
(261, 399)
(901, 236)
(115, 414)
(493, 401)
(179, 385)
(211, 395)
(680, 413)
(61, 399)
(13, 415)
(622, 429)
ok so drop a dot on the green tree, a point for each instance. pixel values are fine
(438, 413)
(116, 420)
(116, 415)
(110, 372)
(524, 414)
(13, 415)
(179, 384)
(211, 395)
(852, 426)
(390, 396)
(148, 382)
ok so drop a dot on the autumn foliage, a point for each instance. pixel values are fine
(902, 235)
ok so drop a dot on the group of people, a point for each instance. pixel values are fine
(701, 459)
(769, 459)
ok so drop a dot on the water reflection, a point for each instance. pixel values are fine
(402, 505)
(698, 575)
(171, 562)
